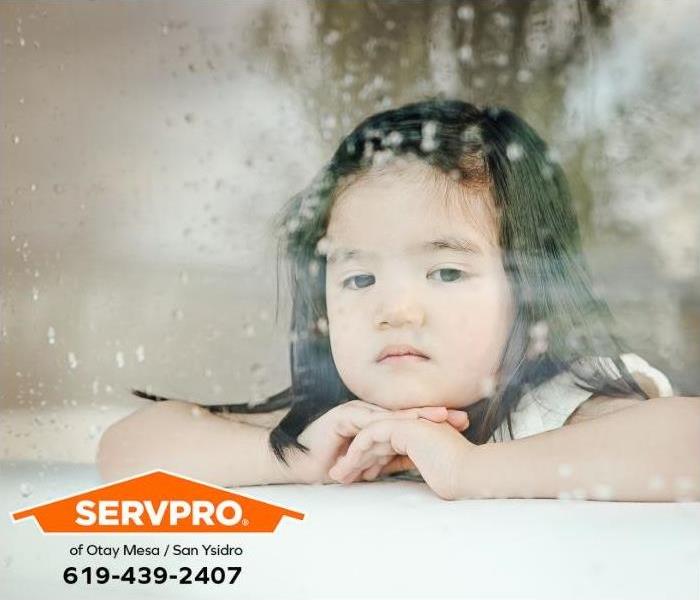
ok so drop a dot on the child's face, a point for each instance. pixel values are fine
(398, 293)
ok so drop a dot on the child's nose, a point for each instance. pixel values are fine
(399, 313)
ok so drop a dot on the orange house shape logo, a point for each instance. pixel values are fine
(157, 502)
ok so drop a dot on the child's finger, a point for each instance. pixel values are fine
(397, 464)
(372, 472)
(351, 417)
(458, 419)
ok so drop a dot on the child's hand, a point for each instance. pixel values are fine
(437, 450)
(329, 436)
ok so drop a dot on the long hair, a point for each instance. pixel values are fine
(542, 257)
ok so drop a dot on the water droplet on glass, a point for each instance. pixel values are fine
(120, 359)
(25, 489)
(314, 268)
(428, 141)
(564, 470)
(15, 139)
(178, 314)
(196, 411)
(602, 491)
(514, 151)
(322, 324)
(332, 37)
(52, 335)
(35, 294)
(292, 225)
(524, 75)
(465, 13)
(656, 482)
(93, 431)
(487, 386)
(257, 370)
(249, 330)
(189, 117)
(539, 339)
(58, 188)
(72, 360)
(501, 59)
(465, 53)
(140, 354)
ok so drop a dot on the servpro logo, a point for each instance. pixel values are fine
(157, 501)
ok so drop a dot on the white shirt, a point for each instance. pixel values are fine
(551, 403)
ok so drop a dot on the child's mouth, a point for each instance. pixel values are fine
(402, 358)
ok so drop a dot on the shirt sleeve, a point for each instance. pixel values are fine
(549, 405)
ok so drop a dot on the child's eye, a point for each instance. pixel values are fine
(360, 280)
(452, 274)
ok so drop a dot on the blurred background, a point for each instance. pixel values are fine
(146, 145)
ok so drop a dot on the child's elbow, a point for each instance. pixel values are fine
(108, 459)
(126, 447)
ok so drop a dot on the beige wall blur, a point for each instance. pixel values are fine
(146, 145)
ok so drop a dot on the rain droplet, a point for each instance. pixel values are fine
(140, 355)
(564, 470)
(25, 489)
(428, 142)
(332, 37)
(93, 431)
(314, 268)
(322, 324)
(539, 339)
(466, 12)
(196, 411)
(465, 53)
(178, 314)
(257, 370)
(15, 139)
(656, 482)
(120, 359)
(602, 491)
(524, 76)
(249, 330)
(72, 361)
(189, 117)
(52, 335)
(487, 386)
(514, 151)
(35, 294)
(323, 246)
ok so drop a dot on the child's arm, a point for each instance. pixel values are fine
(189, 440)
(647, 452)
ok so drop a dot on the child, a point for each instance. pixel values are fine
(439, 286)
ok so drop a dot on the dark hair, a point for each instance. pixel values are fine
(541, 248)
